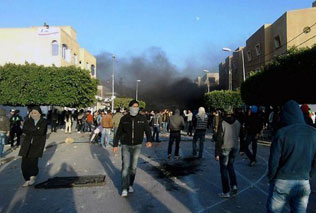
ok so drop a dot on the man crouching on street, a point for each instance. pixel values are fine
(131, 131)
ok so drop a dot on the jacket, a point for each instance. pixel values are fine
(106, 121)
(228, 135)
(4, 121)
(116, 119)
(34, 139)
(176, 122)
(201, 124)
(293, 149)
(253, 124)
(131, 130)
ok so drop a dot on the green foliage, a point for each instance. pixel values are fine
(291, 76)
(124, 102)
(223, 99)
(31, 84)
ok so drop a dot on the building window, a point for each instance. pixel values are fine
(249, 55)
(92, 70)
(55, 48)
(258, 49)
(80, 62)
(64, 51)
(277, 42)
(75, 59)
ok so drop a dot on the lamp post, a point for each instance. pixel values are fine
(243, 67)
(112, 98)
(137, 89)
(207, 71)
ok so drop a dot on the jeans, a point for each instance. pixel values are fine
(251, 139)
(130, 156)
(296, 192)
(105, 136)
(174, 136)
(2, 142)
(164, 127)
(199, 134)
(226, 169)
(156, 131)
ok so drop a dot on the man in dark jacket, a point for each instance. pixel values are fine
(176, 124)
(15, 128)
(35, 130)
(253, 125)
(292, 161)
(226, 149)
(131, 131)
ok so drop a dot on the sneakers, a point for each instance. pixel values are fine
(124, 193)
(169, 156)
(234, 190)
(252, 163)
(177, 157)
(241, 153)
(224, 195)
(26, 183)
(32, 180)
(131, 189)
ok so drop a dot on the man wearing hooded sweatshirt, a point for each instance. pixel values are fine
(292, 161)
(201, 122)
(176, 124)
(226, 149)
(131, 131)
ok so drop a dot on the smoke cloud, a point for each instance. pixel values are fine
(162, 84)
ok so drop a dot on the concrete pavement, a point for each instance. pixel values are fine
(161, 185)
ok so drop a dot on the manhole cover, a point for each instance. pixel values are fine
(69, 182)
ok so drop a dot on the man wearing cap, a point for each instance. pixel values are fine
(226, 149)
(131, 131)
(35, 130)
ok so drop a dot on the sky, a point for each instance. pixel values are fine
(187, 31)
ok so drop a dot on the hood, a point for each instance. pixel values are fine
(177, 112)
(291, 114)
(229, 119)
(3, 112)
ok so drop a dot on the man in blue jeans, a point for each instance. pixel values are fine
(200, 133)
(292, 161)
(131, 130)
(4, 129)
(226, 149)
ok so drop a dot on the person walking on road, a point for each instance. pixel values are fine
(106, 123)
(189, 117)
(4, 129)
(201, 121)
(115, 121)
(35, 130)
(253, 125)
(176, 124)
(15, 128)
(292, 161)
(131, 131)
(226, 149)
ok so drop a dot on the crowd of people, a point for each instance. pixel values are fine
(292, 130)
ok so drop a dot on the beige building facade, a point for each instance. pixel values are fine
(296, 28)
(44, 45)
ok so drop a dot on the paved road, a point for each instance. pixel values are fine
(185, 185)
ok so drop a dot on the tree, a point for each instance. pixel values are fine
(223, 99)
(31, 84)
(291, 76)
(124, 102)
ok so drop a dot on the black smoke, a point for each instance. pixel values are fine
(162, 84)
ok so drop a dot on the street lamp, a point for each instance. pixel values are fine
(112, 98)
(207, 71)
(243, 67)
(137, 89)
